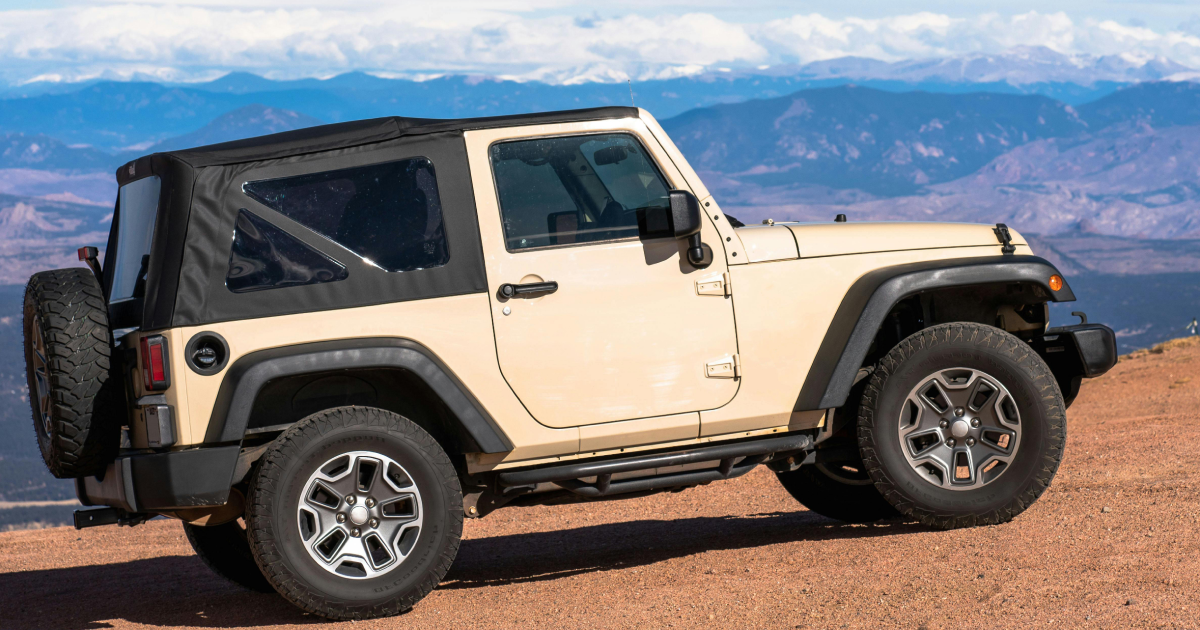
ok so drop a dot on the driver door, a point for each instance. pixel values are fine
(623, 332)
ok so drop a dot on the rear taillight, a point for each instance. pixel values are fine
(156, 371)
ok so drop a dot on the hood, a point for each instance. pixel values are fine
(783, 241)
(838, 239)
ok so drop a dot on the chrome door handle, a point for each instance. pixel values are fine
(511, 290)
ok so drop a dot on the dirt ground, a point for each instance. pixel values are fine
(1114, 543)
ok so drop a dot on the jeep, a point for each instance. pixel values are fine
(322, 349)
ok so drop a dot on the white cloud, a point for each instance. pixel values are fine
(167, 41)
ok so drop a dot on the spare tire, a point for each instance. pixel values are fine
(74, 391)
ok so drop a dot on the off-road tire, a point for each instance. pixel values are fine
(1033, 389)
(225, 550)
(275, 492)
(83, 398)
(853, 499)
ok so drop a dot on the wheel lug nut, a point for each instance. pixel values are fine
(355, 532)
(950, 442)
(370, 502)
(944, 423)
(975, 423)
(958, 411)
(970, 441)
(350, 500)
(341, 518)
(373, 522)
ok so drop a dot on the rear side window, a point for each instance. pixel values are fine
(574, 189)
(266, 257)
(136, 212)
(389, 214)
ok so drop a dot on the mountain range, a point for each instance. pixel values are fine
(116, 115)
(1095, 159)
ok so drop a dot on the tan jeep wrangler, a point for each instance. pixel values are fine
(322, 349)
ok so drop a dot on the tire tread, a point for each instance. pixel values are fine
(85, 432)
(267, 477)
(988, 337)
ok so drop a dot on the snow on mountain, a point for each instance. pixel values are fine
(1020, 65)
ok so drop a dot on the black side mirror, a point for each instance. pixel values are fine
(679, 220)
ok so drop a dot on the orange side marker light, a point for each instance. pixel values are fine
(1056, 282)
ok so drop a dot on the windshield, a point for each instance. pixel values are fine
(137, 210)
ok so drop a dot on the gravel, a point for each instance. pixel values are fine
(736, 554)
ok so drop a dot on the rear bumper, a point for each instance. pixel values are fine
(152, 482)
(1077, 352)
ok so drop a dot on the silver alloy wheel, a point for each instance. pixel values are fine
(960, 429)
(41, 374)
(360, 515)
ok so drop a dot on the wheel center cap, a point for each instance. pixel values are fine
(359, 515)
(960, 428)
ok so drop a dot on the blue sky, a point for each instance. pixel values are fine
(556, 40)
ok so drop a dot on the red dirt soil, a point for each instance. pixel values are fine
(1113, 544)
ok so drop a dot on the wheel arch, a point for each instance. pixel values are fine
(868, 303)
(402, 368)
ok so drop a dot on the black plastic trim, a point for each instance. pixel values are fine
(247, 376)
(873, 296)
(719, 451)
(606, 487)
(1074, 353)
(149, 482)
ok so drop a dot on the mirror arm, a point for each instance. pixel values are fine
(699, 254)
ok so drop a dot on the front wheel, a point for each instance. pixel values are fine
(962, 424)
(355, 513)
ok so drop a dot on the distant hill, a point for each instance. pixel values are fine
(39, 151)
(39, 234)
(1158, 104)
(856, 137)
(244, 122)
(120, 116)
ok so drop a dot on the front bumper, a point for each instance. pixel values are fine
(1077, 352)
(155, 482)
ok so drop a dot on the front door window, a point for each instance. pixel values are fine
(574, 189)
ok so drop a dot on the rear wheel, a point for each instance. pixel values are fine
(224, 549)
(842, 491)
(75, 393)
(355, 513)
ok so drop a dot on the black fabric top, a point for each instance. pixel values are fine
(202, 196)
(359, 132)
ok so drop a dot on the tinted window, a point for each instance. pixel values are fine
(389, 214)
(578, 189)
(137, 208)
(266, 257)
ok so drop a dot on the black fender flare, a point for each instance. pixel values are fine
(872, 297)
(247, 376)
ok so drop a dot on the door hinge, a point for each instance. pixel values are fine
(715, 285)
(729, 366)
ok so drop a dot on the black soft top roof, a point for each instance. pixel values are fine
(360, 132)
(196, 216)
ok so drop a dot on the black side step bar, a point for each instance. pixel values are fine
(567, 476)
